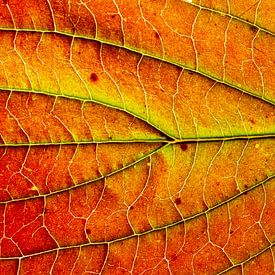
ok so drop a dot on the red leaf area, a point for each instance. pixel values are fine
(137, 137)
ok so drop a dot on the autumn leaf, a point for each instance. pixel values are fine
(137, 137)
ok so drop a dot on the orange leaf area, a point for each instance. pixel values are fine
(137, 137)
(175, 101)
(38, 170)
(171, 249)
(141, 208)
(36, 118)
(216, 44)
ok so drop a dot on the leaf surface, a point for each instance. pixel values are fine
(137, 137)
(214, 44)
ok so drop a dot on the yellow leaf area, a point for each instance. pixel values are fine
(137, 137)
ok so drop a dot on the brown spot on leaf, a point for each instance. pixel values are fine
(88, 231)
(245, 186)
(93, 77)
(252, 120)
(173, 258)
(157, 35)
(253, 29)
(120, 166)
(184, 146)
(178, 201)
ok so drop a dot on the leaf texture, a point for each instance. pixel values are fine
(137, 137)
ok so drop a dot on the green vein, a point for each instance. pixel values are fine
(89, 100)
(175, 141)
(86, 142)
(144, 53)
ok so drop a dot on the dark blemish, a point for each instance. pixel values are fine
(113, 16)
(184, 146)
(178, 201)
(179, 70)
(88, 231)
(156, 35)
(231, 231)
(253, 29)
(252, 120)
(162, 90)
(245, 186)
(93, 77)
(191, 73)
(132, 207)
(6, 2)
(174, 258)
(245, 193)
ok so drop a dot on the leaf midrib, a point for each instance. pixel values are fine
(166, 141)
